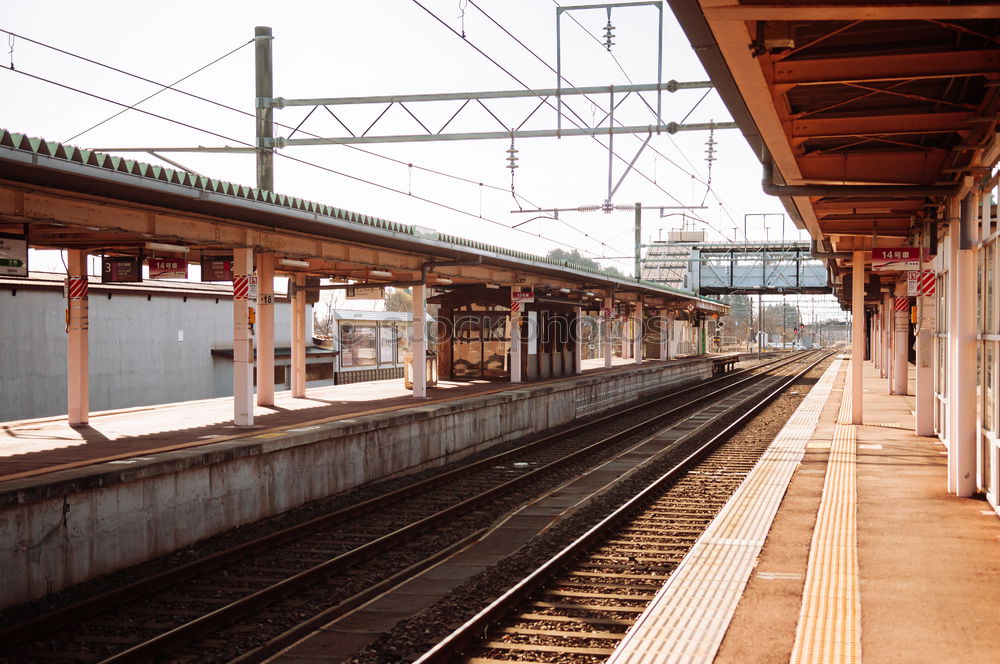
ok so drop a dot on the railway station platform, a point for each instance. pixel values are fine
(80, 502)
(843, 545)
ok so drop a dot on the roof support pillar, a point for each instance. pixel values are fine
(608, 307)
(515, 340)
(900, 335)
(857, 337)
(637, 331)
(665, 325)
(78, 339)
(299, 338)
(242, 338)
(962, 331)
(418, 344)
(265, 322)
(925, 401)
(578, 340)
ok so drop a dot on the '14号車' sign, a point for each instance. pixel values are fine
(167, 268)
(895, 259)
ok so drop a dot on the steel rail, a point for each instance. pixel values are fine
(45, 624)
(451, 647)
(234, 611)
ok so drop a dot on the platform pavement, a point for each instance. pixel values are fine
(31, 446)
(926, 565)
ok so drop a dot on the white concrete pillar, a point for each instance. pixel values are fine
(962, 392)
(665, 324)
(265, 330)
(419, 343)
(857, 336)
(925, 401)
(900, 345)
(578, 341)
(299, 338)
(242, 338)
(77, 339)
(637, 332)
(609, 307)
(885, 317)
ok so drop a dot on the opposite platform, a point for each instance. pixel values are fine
(144, 483)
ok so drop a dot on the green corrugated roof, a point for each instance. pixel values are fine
(146, 171)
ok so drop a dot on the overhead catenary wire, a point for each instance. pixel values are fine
(587, 97)
(165, 86)
(288, 157)
(694, 172)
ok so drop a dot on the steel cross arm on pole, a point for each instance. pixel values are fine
(670, 128)
(199, 148)
(669, 86)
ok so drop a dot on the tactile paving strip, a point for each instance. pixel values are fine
(688, 617)
(829, 628)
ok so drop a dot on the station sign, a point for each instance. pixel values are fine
(896, 259)
(121, 269)
(167, 268)
(13, 256)
(365, 293)
(522, 294)
(216, 268)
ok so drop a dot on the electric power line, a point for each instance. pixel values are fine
(289, 157)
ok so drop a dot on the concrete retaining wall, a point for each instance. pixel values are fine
(68, 527)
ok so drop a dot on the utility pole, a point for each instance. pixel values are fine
(638, 240)
(265, 112)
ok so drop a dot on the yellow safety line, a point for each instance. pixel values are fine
(829, 627)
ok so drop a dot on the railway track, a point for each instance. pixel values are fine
(267, 592)
(578, 605)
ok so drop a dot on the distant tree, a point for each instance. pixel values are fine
(576, 258)
(329, 301)
(399, 299)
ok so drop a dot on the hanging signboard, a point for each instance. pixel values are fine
(167, 268)
(523, 294)
(895, 259)
(312, 290)
(216, 268)
(365, 293)
(13, 256)
(121, 269)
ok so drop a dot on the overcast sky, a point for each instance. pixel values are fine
(382, 47)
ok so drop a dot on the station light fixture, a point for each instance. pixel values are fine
(493, 286)
(443, 281)
(564, 290)
(380, 273)
(159, 246)
(291, 262)
(589, 293)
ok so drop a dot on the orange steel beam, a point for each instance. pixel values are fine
(871, 167)
(909, 66)
(883, 125)
(731, 10)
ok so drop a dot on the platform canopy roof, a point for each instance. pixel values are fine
(71, 198)
(865, 115)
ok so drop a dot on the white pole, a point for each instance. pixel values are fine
(857, 337)
(242, 338)
(419, 345)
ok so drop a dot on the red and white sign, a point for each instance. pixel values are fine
(241, 287)
(522, 294)
(609, 313)
(895, 259)
(77, 288)
(515, 306)
(901, 304)
(928, 279)
(168, 268)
